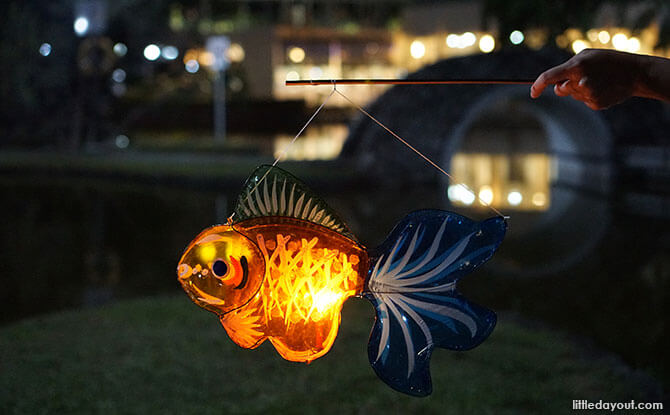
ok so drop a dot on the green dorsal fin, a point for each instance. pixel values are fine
(282, 194)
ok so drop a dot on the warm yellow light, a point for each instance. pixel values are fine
(562, 41)
(296, 54)
(579, 45)
(604, 36)
(539, 199)
(620, 41)
(514, 198)
(324, 300)
(292, 76)
(235, 53)
(468, 39)
(206, 58)
(487, 43)
(458, 193)
(283, 283)
(417, 49)
(303, 291)
(633, 44)
(452, 40)
(207, 252)
(592, 35)
(486, 195)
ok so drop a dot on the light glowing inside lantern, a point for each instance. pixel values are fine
(303, 276)
(301, 297)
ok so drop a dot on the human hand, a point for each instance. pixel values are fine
(599, 78)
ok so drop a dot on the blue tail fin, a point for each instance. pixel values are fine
(412, 284)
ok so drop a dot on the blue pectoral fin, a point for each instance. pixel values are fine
(412, 284)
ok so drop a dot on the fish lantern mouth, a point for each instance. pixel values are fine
(221, 269)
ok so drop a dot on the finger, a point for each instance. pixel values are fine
(580, 95)
(563, 89)
(550, 76)
(592, 105)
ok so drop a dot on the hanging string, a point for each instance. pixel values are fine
(431, 162)
(285, 150)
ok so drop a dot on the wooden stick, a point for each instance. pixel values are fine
(314, 82)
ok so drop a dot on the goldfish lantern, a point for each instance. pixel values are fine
(282, 269)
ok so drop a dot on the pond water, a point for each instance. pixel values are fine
(593, 265)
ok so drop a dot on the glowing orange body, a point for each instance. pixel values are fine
(309, 272)
(275, 277)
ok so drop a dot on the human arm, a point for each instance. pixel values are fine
(602, 78)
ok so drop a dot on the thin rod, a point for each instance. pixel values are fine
(314, 82)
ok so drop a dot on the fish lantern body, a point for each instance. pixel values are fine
(283, 269)
(286, 280)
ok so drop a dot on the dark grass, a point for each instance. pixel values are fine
(164, 355)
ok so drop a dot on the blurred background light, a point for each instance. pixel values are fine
(296, 54)
(122, 141)
(315, 72)
(459, 193)
(579, 45)
(487, 43)
(120, 49)
(486, 195)
(604, 36)
(292, 76)
(235, 53)
(45, 49)
(452, 40)
(539, 199)
(514, 198)
(119, 75)
(417, 49)
(169, 53)
(516, 37)
(633, 44)
(152, 52)
(468, 39)
(620, 41)
(192, 66)
(81, 25)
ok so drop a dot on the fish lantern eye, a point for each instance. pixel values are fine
(221, 269)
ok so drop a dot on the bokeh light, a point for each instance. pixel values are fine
(296, 54)
(119, 75)
(120, 49)
(81, 25)
(604, 36)
(152, 52)
(516, 37)
(192, 66)
(487, 43)
(514, 198)
(170, 53)
(417, 49)
(235, 53)
(620, 41)
(45, 49)
(579, 45)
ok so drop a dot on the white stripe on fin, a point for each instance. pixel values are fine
(271, 191)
